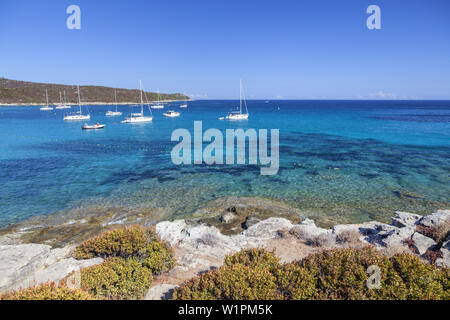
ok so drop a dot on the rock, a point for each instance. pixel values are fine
(397, 237)
(56, 271)
(227, 217)
(30, 264)
(445, 260)
(171, 231)
(403, 219)
(422, 243)
(20, 261)
(307, 232)
(161, 292)
(268, 228)
(435, 219)
(250, 221)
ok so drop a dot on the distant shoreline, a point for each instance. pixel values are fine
(86, 103)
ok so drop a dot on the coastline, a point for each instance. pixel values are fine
(202, 244)
(87, 103)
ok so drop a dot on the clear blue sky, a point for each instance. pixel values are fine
(312, 49)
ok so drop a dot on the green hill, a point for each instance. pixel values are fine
(23, 92)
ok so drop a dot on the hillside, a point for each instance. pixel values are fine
(22, 92)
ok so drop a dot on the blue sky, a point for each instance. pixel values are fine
(281, 49)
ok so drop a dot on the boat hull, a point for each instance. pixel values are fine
(138, 120)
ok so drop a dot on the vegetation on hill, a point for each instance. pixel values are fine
(338, 274)
(20, 92)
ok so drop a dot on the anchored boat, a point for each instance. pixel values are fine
(77, 115)
(138, 117)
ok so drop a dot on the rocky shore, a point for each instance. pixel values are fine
(199, 247)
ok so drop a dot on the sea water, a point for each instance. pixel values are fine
(349, 161)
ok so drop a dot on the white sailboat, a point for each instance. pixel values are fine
(171, 114)
(47, 107)
(114, 113)
(238, 115)
(77, 115)
(184, 105)
(138, 117)
(158, 104)
(62, 103)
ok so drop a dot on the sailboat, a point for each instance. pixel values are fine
(47, 107)
(158, 104)
(184, 105)
(77, 115)
(114, 113)
(238, 115)
(62, 104)
(171, 114)
(138, 117)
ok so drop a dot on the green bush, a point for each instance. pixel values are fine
(331, 274)
(138, 242)
(47, 291)
(423, 281)
(235, 282)
(117, 278)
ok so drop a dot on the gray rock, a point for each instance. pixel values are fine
(160, 292)
(404, 219)
(250, 221)
(422, 243)
(227, 217)
(397, 237)
(435, 219)
(445, 260)
(268, 228)
(56, 272)
(20, 261)
(31, 264)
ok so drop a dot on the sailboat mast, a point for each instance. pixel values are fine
(142, 104)
(240, 96)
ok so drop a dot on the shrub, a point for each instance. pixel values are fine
(254, 258)
(117, 278)
(330, 274)
(348, 236)
(422, 280)
(47, 291)
(138, 242)
(295, 282)
(342, 274)
(235, 282)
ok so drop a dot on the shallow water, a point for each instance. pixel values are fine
(350, 161)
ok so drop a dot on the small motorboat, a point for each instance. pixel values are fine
(92, 126)
(171, 114)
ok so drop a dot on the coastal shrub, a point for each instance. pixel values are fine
(295, 282)
(235, 282)
(422, 280)
(138, 242)
(254, 258)
(47, 291)
(331, 274)
(342, 274)
(117, 278)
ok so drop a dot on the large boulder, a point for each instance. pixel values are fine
(422, 243)
(435, 219)
(405, 219)
(25, 265)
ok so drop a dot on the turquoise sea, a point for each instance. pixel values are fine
(348, 161)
